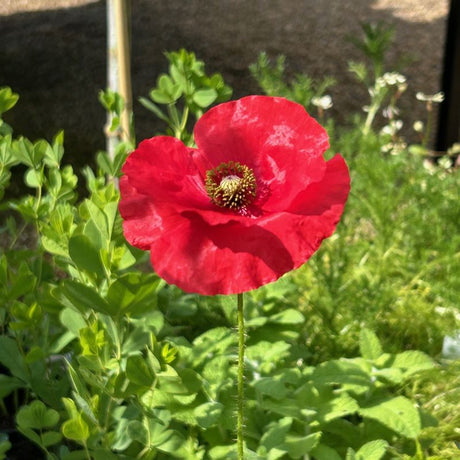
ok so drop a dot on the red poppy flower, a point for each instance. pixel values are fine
(253, 201)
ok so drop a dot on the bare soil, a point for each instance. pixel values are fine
(52, 52)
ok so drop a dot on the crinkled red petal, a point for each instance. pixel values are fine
(163, 168)
(233, 258)
(273, 136)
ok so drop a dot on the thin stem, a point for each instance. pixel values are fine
(240, 419)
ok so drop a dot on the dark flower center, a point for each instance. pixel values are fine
(231, 185)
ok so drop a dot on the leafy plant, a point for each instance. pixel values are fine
(185, 86)
(301, 88)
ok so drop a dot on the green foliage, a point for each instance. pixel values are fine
(188, 86)
(375, 42)
(301, 88)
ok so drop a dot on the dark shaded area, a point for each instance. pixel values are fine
(56, 59)
(449, 113)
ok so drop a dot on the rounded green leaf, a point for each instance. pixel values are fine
(76, 429)
(37, 416)
(205, 97)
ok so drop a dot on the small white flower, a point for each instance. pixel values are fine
(445, 162)
(387, 147)
(418, 126)
(429, 166)
(324, 102)
(393, 78)
(390, 112)
(392, 128)
(438, 97)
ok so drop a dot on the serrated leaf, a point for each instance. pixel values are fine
(369, 344)
(413, 361)
(397, 414)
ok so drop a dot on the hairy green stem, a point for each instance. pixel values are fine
(240, 415)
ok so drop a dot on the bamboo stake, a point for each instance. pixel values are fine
(122, 10)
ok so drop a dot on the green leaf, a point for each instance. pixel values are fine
(271, 386)
(289, 316)
(84, 298)
(369, 344)
(346, 373)
(139, 372)
(76, 429)
(373, 450)
(85, 256)
(153, 108)
(11, 357)
(323, 452)
(413, 361)
(134, 293)
(8, 99)
(36, 416)
(33, 178)
(208, 414)
(99, 219)
(8, 384)
(51, 437)
(160, 97)
(204, 97)
(5, 445)
(72, 320)
(276, 433)
(298, 446)
(137, 431)
(398, 414)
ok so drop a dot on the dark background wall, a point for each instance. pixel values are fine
(52, 52)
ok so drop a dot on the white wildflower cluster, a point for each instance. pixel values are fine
(391, 79)
(392, 128)
(324, 102)
(390, 112)
(445, 162)
(438, 97)
(394, 148)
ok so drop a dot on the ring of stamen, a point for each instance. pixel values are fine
(231, 185)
